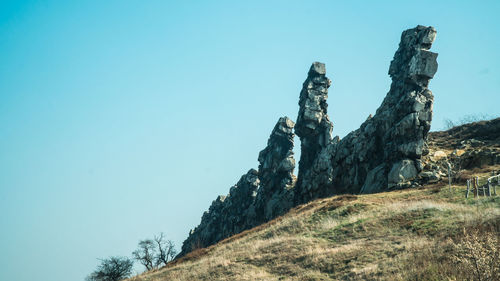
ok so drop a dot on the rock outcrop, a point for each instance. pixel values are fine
(475, 134)
(464, 147)
(384, 153)
(275, 194)
(226, 216)
(259, 196)
(313, 127)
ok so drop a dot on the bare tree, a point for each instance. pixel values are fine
(146, 254)
(166, 250)
(448, 124)
(155, 252)
(112, 269)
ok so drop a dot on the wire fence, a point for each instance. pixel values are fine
(483, 188)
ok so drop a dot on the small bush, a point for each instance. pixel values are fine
(478, 253)
(470, 118)
(112, 269)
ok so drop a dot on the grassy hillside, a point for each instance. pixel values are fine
(430, 233)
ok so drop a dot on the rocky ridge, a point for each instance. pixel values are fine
(463, 149)
(384, 153)
(259, 196)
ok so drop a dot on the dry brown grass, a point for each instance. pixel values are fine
(402, 235)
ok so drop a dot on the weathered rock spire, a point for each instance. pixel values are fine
(313, 125)
(276, 177)
(385, 151)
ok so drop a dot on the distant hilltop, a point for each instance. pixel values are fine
(384, 153)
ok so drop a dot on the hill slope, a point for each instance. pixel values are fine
(425, 233)
(411, 234)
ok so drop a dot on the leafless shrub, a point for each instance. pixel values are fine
(155, 252)
(478, 253)
(112, 269)
(469, 118)
(448, 124)
(146, 254)
(166, 250)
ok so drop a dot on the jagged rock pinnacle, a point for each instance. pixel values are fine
(313, 125)
(276, 173)
(385, 151)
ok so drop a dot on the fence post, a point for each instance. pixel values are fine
(483, 189)
(489, 187)
(474, 186)
(468, 189)
(480, 188)
(495, 187)
(449, 175)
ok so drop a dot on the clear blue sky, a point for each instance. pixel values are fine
(122, 119)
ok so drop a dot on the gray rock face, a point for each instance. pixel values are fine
(402, 171)
(226, 216)
(385, 151)
(313, 125)
(275, 194)
(259, 196)
(430, 176)
(473, 158)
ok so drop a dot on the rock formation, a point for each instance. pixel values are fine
(313, 125)
(259, 196)
(275, 195)
(464, 147)
(226, 216)
(384, 153)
